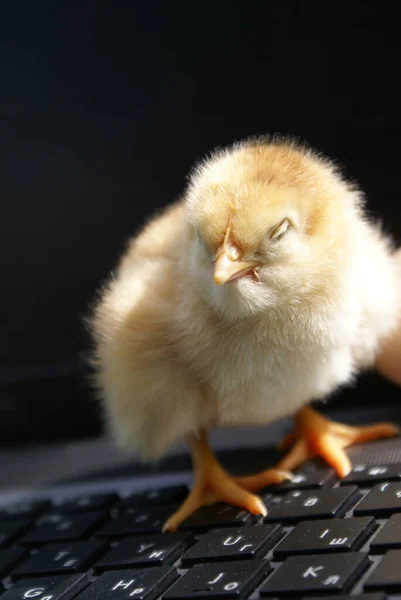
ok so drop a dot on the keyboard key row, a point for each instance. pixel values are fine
(239, 543)
(78, 517)
(316, 477)
(325, 536)
(297, 576)
(94, 502)
(382, 501)
(293, 507)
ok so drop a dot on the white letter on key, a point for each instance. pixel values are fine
(231, 586)
(219, 576)
(230, 541)
(338, 541)
(137, 591)
(123, 584)
(33, 592)
(312, 572)
(156, 553)
(332, 580)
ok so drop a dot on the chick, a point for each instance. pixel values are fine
(264, 288)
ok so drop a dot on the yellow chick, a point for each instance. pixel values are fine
(264, 288)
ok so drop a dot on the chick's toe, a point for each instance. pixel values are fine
(315, 435)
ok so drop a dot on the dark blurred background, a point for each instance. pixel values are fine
(104, 107)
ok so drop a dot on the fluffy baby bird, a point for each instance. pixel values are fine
(264, 288)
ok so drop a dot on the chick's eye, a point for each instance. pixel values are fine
(277, 232)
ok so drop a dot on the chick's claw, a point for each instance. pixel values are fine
(315, 435)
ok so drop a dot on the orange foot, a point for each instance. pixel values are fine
(314, 435)
(213, 484)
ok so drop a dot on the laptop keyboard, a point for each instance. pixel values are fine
(321, 538)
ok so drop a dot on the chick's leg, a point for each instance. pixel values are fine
(314, 435)
(213, 484)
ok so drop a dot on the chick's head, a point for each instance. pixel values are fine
(269, 219)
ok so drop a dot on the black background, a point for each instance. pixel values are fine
(104, 107)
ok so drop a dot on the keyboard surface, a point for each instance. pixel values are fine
(322, 538)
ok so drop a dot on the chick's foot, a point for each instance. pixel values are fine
(314, 435)
(213, 484)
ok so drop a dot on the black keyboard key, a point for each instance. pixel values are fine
(145, 551)
(9, 558)
(56, 587)
(24, 510)
(59, 558)
(364, 475)
(319, 504)
(144, 584)
(10, 530)
(146, 520)
(88, 503)
(170, 495)
(233, 544)
(60, 527)
(226, 580)
(389, 537)
(316, 478)
(387, 576)
(383, 500)
(371, 596)
(331, 535)
(301, 575)
(217, 515)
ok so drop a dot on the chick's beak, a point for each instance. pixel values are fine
(226, 269)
